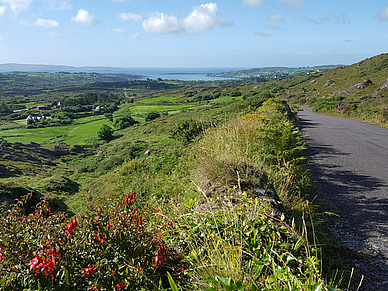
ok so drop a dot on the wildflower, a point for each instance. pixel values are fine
(35, 264)
(71, 226)
(88, 270)
(108, 226)
(119, 285)
(48, 265)
(94, 289)
(101, 239)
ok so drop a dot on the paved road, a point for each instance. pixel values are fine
(351, 167)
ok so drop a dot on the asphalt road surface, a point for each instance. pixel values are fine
(350, 165)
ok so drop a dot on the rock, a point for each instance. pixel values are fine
(17, 145)
(361, 86)
(385, 85)
(376, 94)
(43, 151)
(328, 83)
(3, 170)
(363, 97)
(76, 149)
(99, 153)
(346, 92)
(34, 144)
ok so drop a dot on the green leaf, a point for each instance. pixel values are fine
(317, 287)
(172, 283)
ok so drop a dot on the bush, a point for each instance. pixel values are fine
(105, 133)
(152, 115)
(124, 122)
(188, 130)
(59, 184)
(118, 246)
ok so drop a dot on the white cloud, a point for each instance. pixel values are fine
(2, 10)
(254, 3)
(383, 15)
(294, 5)
(339, 19)
(59, 4)
(134, 36)
(116, 30)
(45, 23)
(262, 34)
(203, 17)
(17, 6)
(272, 27)
(161, 23)
(130, 17)
(85, 17)
(311, 20)
(1, 38)
(275, 18)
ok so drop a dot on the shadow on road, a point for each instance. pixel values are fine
(361, 216)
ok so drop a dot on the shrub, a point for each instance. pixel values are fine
(124, 122)
(119, 245)
(105, 133)
(186, 131)
(152, 115)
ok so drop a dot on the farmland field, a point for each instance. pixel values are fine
(86, 127)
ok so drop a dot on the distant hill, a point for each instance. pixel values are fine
(13, 67)
(272, 72)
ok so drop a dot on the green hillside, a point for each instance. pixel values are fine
(358, 91)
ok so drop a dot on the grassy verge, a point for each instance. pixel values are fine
(216, 213)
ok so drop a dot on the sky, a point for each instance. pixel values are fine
(191, 33)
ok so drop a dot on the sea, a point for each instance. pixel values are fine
(184, 74)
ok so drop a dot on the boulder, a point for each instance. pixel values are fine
(345, 92)
(76, 149)
(361, 86)
(328, 83)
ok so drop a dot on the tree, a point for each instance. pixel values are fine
(109, 116)
(124, 122)
(152, 115)
(105, 133)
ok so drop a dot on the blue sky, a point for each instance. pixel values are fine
(191, 33)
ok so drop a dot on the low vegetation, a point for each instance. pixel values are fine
(222, 196)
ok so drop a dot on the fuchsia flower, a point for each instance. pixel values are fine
(71, 226)
(119, 285)
(88, 270)
(46, 265)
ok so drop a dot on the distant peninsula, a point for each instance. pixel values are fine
(272, 72)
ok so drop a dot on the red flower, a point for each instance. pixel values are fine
(101, 239)
(48, 265)
(1, 254)
(108, 226)
(94, 289)
(71, 226)
(90, 269)
(119, 286)
(35, 264)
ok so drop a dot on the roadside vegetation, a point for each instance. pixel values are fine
(171, 185)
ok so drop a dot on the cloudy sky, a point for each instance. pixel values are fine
(191, 33)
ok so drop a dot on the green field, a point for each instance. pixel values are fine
(86, 127)
(226, 99)
(144, 109)
(159, 99)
